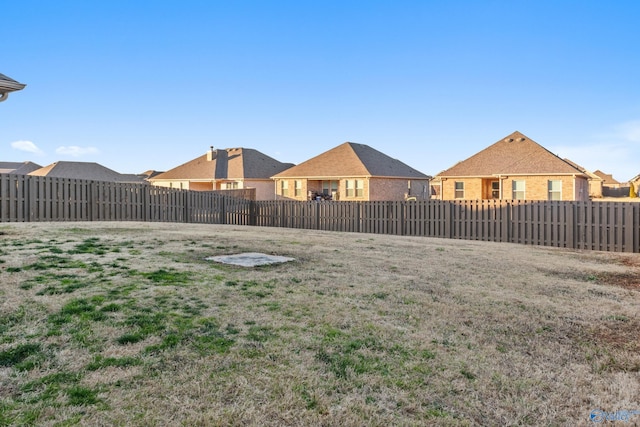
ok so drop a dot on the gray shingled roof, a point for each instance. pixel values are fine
(516, 154)
(352, 160)
(18, 168)
(228, 163)
(84, 170)
(9, 85)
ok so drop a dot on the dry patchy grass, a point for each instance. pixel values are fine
(127, 324)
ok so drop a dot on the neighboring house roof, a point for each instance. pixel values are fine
(84, 170)
(223, 164)
(151, 173)
(607, 179)
(516, 154)
(18, 168)
(591, 175)
(352, 160)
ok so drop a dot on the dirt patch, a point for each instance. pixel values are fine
(619, 332)
(627, 280)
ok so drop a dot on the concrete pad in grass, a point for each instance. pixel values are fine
(250, 259)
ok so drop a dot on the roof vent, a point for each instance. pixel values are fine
(508, 140)
(521, 139)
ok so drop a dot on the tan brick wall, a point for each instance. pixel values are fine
(383, 189)
(472, 188)
(264, 189)
(177, 184)
(536, 188)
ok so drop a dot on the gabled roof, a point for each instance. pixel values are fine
(591, 175)
(84, 170)
(352, 160)
(516, 154)
(607, 179)
(18, 168)
(229, 163)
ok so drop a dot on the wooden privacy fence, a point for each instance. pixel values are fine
(603, 226)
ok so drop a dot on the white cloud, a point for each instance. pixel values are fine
(76, 151)
(27, 146)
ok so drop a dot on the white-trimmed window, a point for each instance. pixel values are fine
(518, 189)
(359, 188)
(349, 188)
(459, 190)
(555, 189)
(232, 185)
(284, 188)
(297, 185)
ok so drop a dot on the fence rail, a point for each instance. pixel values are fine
(602, 226)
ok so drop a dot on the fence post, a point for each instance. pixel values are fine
(253, 220)
(223, 210)
(31, 202)
(187, 206)
(505, 221)
(570, 226)
(445, 212)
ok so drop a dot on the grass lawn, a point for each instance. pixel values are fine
(128, 324)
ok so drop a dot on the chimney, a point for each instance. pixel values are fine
(211, 154)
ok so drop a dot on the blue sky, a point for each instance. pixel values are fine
(138, 85)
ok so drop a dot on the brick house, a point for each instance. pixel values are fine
(224, 169)
(351, 171)
(611, 187)
(596, 183)
(514, 168)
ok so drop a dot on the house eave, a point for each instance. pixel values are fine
(497, 175)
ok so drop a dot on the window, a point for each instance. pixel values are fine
(359, 188)
(518, 190)
(328, 187)
(284, 188)
(297, 188)
(555, 190)
(348, 185)
(231, 186)
(459, 186)
(495, 189)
